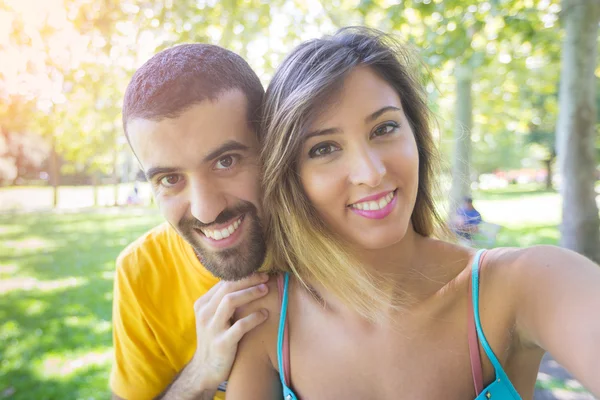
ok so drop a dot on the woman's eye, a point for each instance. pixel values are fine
(225, 162)
(322, 150)
(385, 129)
(170, 180)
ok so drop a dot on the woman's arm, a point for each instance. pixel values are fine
(558, 293)
(253, 376)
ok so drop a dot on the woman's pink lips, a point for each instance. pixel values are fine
(378, 214)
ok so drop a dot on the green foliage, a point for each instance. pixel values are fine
(82, 118)
(512, 47)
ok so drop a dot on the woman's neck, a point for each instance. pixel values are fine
(401, 269)
(395, 261)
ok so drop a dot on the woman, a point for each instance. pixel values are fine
(373, 306)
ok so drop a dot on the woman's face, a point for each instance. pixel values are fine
(359, 164)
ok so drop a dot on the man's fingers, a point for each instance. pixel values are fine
(246, 324)
(230, 287)
(231, 301)
(251, 280)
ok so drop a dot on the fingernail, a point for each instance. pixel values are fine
(264, 312)
(262, 287)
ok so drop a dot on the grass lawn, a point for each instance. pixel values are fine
(56, 274)
(527, 217)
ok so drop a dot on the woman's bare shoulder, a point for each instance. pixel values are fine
(269, 302)
(265, 335)
(519, 263)
(254, 374)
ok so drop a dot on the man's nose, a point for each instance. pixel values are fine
(207, 200)
(366, 167)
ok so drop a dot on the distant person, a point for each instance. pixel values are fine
(467, 219)
(134, 197)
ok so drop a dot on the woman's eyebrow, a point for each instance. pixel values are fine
(370, 118)
(380, 112)
(321, 132)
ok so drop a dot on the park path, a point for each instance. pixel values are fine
(564, 386)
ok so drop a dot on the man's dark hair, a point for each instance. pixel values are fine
(179, 77)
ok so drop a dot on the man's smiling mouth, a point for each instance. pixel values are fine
(223, 233)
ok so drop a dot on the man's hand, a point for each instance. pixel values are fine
(217, 337)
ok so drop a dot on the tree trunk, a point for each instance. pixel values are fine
(461, 161)
(580, 227)
(116, 193)
(548, 163)
(95, 188)
(54, 174)
(116, 175)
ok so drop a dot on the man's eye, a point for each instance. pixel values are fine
(226, 162)
(322, 150)
(385, 129)
(170, 180)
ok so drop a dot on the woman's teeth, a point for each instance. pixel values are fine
(374, 205)
(219, 234)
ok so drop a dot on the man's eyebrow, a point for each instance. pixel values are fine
(225, 147)
(380, 112)
(152, 172)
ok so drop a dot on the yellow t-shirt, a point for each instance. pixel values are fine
(157, 281)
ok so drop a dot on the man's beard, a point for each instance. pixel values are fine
(233, 263)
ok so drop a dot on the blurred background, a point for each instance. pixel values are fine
(70, 194)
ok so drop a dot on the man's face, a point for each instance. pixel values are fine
(204, 171)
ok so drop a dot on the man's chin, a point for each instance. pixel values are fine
(230, 264)
(229, 268)
(234, 258)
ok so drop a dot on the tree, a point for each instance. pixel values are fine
(576, 130)
(542, 132)
(21, 152)
(87, 52)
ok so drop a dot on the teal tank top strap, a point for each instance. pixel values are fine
(502, 383)
(288, 394)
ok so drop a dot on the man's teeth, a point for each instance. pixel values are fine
(374, 205)
(219, 234)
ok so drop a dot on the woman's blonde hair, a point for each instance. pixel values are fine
(302, 86)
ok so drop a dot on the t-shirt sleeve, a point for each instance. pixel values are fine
(140, 369)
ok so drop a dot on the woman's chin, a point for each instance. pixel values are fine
(379, 241)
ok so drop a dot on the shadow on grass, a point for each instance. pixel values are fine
(44, 333)
(55, 305)
(53, 246)
(25, 385)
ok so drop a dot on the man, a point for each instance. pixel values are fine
(190, 116)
